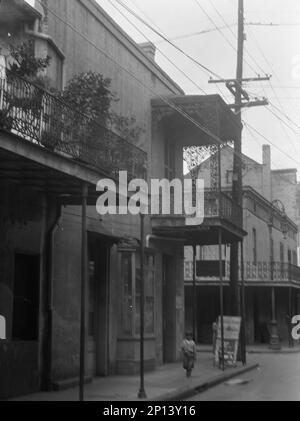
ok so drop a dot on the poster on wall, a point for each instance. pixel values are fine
(232, 326)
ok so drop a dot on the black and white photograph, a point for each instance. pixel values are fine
(149, 204)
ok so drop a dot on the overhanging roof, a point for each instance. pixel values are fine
(209, 111)
(29, 165)
(13, 11)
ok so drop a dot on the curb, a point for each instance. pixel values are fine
(272, 351)
(189, 391)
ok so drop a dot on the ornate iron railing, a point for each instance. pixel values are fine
(261, 271)
(216, 205)
(271, 271)
(220, 205)
(39, 117)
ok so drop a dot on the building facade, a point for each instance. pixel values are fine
(270, 253)
(55, 242)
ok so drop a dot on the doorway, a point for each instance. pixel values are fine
(25, 320)
(98, 304)
(168, 310)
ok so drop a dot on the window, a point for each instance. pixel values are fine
(2, 67)
(281, 253)
(92, 292)
(254, 239)
(2, 78)
(26, 298)
(127, 282)
(229, 174)
(131, 281)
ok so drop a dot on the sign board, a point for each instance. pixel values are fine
(2, 328)
(232, 326)
(209, 268)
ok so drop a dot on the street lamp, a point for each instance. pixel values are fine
(274, 337)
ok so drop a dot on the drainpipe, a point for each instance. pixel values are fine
(50, 252)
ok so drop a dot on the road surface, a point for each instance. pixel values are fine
(277, 379)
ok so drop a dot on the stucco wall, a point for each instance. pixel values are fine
(112, 53)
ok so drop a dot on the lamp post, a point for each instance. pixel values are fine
(274, 337)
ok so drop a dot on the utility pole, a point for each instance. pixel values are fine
(242, 100)
(237, 189)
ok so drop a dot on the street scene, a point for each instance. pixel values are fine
(150, 202)
(277, 379)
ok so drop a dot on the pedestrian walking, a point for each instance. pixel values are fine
(189, 353)
(214, 338)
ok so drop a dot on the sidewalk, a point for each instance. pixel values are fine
(260, 349)
(166, 383)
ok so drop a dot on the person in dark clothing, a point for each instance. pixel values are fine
(189, 353)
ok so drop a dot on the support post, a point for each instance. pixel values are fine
(274, 338)
(290, 316)
(83, 291)
(194, 292)
(237, 163)
(221, 298)
(243, 308)
(142, 393)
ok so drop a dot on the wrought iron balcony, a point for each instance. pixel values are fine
(217, 205)
(220, 205)
(35, 115)
(260, 272)
(271, 271)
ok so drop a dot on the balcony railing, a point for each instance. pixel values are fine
(216, 205)
(261, 271)
(271, 271)
(220, 205)
(39, 117)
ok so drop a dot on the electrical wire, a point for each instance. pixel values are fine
(163, 54)
(164, 99)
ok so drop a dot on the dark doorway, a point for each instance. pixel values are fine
(98, 302)
(26, 298)
(168, 310)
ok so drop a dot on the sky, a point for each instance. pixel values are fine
(269, 49)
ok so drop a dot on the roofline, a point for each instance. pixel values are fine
(134, 48)
(293, 170)
(27, 7)
(267, 202)
(228, 147)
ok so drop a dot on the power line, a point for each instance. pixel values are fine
(276, 76)
(285, 115)
(269, 141)
(164, 99)
(165, 38)
(183, 36)
(235, 37)
(164, 55)
(284, 122)
(211, 72)
(272, 24)
(272, 163)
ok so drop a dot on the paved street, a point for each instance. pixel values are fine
(277, 379)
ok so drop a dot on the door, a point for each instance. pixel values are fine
(23, 370)
(98, 306)
(169, 310)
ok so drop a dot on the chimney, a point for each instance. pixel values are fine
(266, 172)
(149, 49)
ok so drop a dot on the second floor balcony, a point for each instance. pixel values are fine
(219, 211)
(255, 274)
(34, 115)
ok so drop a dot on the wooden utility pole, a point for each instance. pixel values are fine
(242, 100)
(237, 189)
